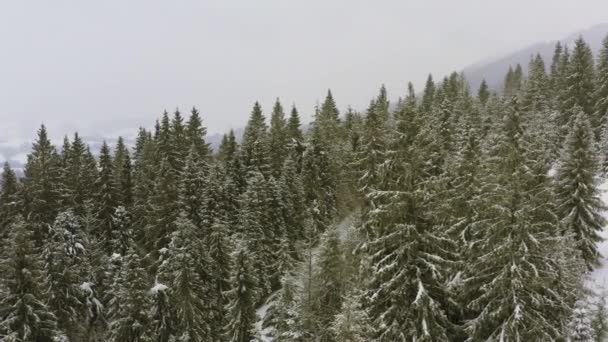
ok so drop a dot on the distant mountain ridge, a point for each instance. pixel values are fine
(494, 70)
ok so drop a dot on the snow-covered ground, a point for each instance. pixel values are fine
(344, 228)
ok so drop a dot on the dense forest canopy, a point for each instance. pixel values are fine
(451, 215)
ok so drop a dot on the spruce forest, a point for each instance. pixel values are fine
(452, 214)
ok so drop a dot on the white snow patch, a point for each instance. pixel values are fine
(158, 287)
(263, 334)
(87, 287)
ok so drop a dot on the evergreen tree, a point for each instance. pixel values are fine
(131, 322)
(483, 94)
(277, 145)
(352, 323)
(195, 135)
(219, 253)
(428, 96)
(254, 149)
(185, 269)
(329, 285)
(579, 82)
(521, 249)
(66, 266)
(242, 295)
(8, 199)
(579, 328)
(24, 316)
(123, 183)
(600, 97)
(579, 203)
(106, 197)
(41, 192)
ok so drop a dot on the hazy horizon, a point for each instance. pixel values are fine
(106, 68)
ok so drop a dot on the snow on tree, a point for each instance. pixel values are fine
(185, 268)
(24, 315)
(580, 328)
(242, 298)
(578, 200)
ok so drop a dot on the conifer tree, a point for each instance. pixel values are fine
(106, 196)
(195, 135)
(579, 82)
(578, 198)
(600, 97)
(193, 192)
(519, 252)
(329, 285)
(277, 145)
(123, 183)
(242, 297)
(131, 322)
(8, 199)
(254, 149)
(41, 193)
(162, 314)
(428, 96)
(579, 328)
(66, 266)
(219, 253)
(294, 131)
(352, 323)
(483, 94)
(24, 315)
(122, 232)
(185, 269)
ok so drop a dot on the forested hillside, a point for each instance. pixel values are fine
(472, 216)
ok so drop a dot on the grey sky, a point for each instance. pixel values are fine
(106, 67)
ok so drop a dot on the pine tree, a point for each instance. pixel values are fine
(579, 328)
(123, 183)
(579, 82)
(352, 323)
(162, 314)
(41, 192)
(329, 285)
(195, 135)
(105, 203)
(185, 270)
(122, 232)
(254, 149)
(24, 316)
(579, 203)
(600, 97)
(219, 253)
(483, 94)
(66, 266)
(294, 131)
(518, 252)
(428, 96)
(242, 294)
(277, 145)
(131, 322)
(8, 199)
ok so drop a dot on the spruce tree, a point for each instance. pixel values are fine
(66, 267)
(428, 95)
(521, 249)
(483, 94)
(195, 135)
(578, 199)
(579, 82)
(41, 192)
(277, 145)
(123, 182)
(24, 315)
(242, 297)
(185, 270)
(600, 97)
(9, 188)
(131, 322)
(105, 203)
(254, 149)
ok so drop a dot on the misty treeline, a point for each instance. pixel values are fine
(474, 217)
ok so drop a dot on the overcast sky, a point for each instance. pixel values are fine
(106, 67)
